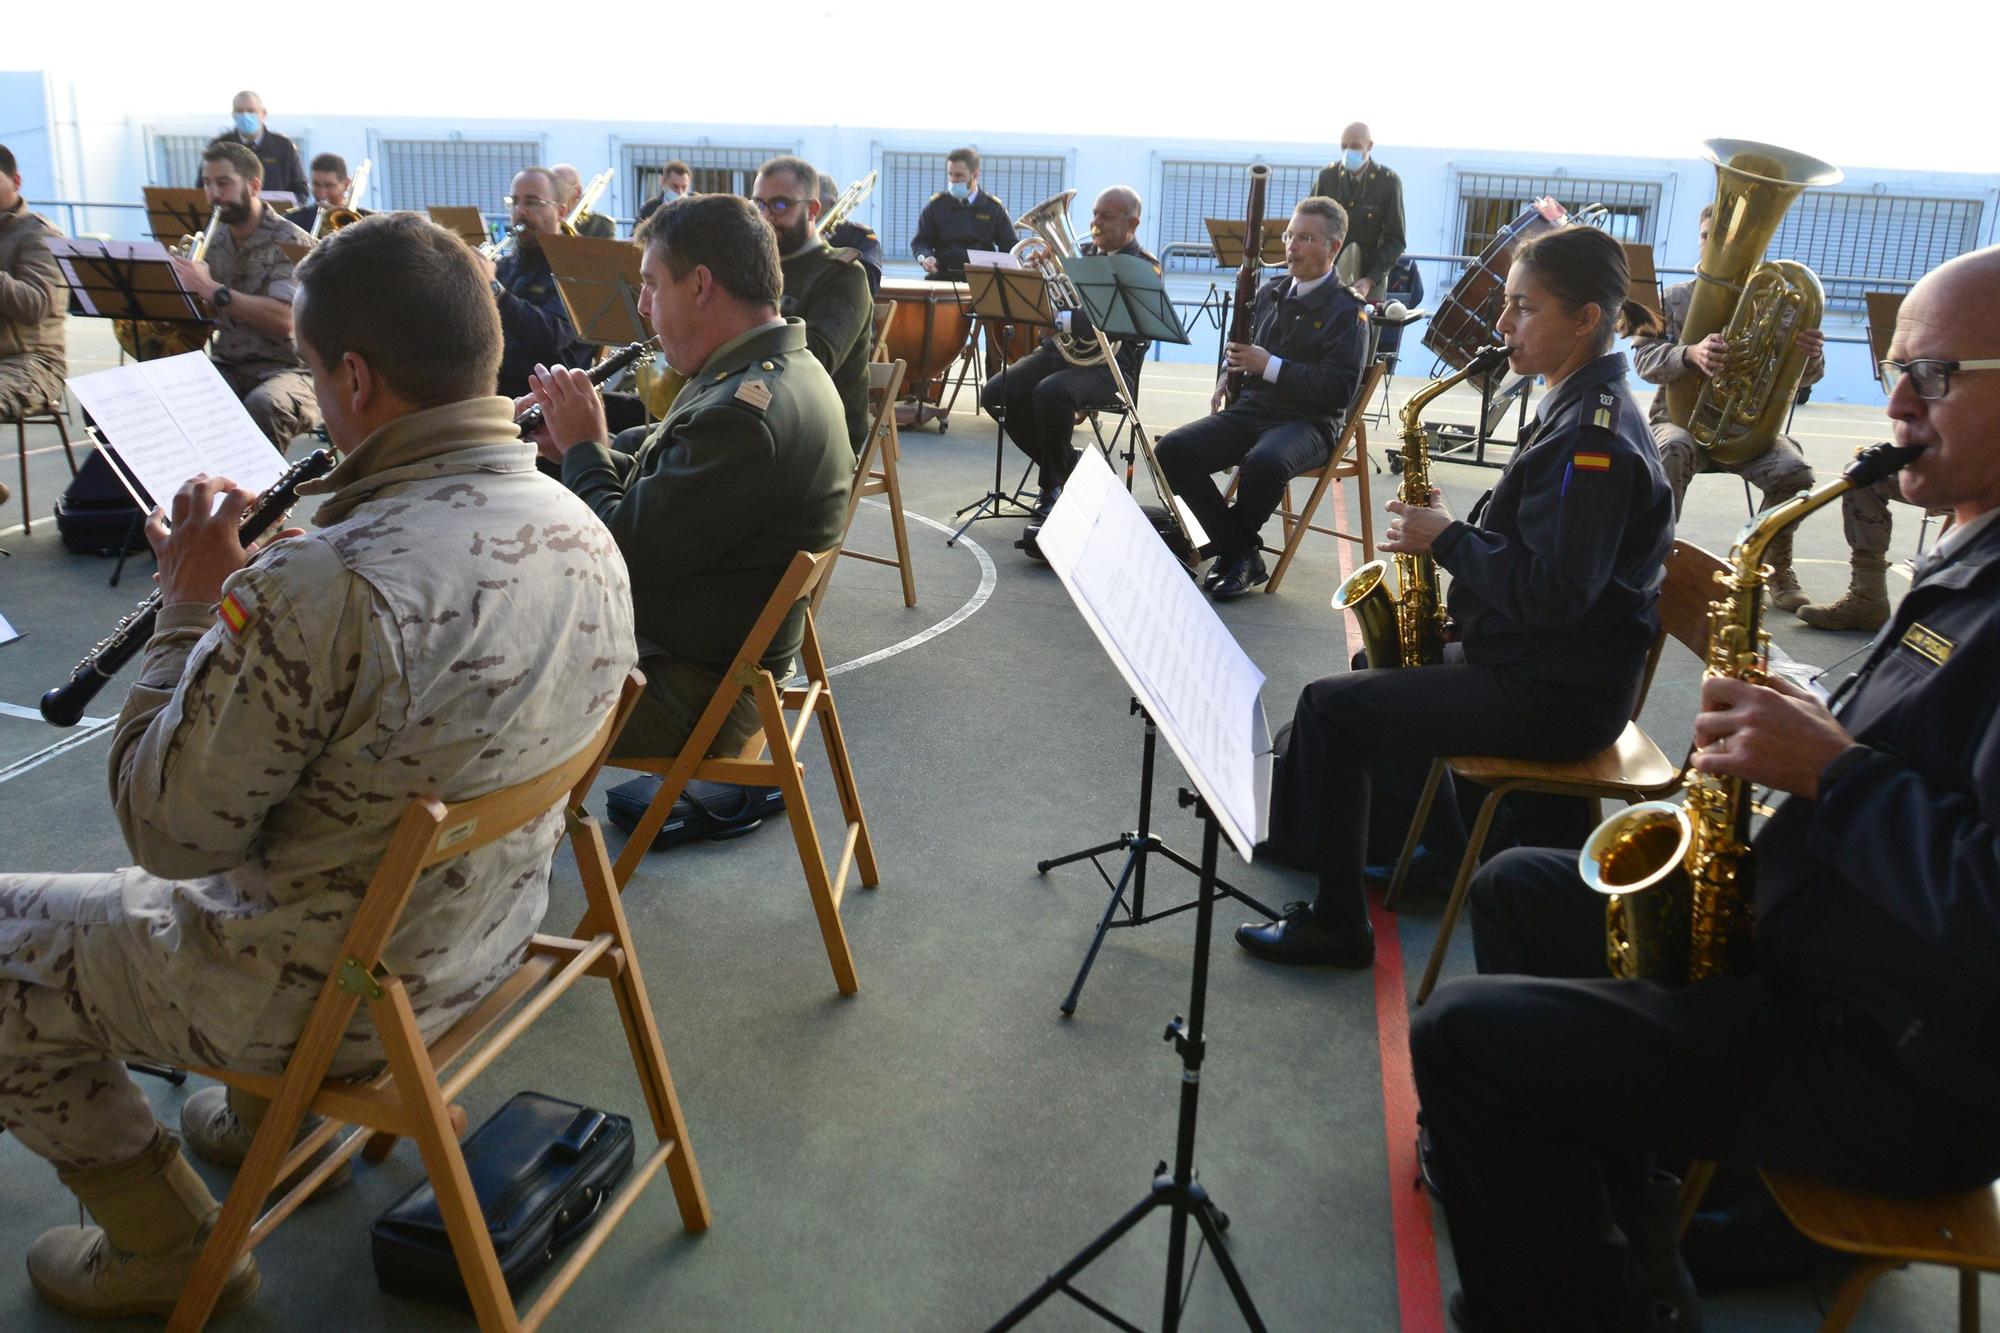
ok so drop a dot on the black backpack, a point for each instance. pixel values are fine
(95, 515)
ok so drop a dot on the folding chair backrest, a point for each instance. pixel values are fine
(885, 381)
(884, 312)
(801, 577)
(1685, 595)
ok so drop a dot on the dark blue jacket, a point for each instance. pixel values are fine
(1557, 570)
(1322, 340)
(1886, 891)
(534, 323)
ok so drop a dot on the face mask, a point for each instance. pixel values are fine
(961, 189)
(246, 123)
(1353, 158)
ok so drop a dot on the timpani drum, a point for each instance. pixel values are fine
(928, 332)
(1467, 319)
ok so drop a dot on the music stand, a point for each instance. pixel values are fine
(599, 281)
(131, 282)
(463, 219)
(173, 213)
(1226, 235)
(1881, 324)
(1008, 298)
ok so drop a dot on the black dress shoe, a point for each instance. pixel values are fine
(1248, 572)
(1225, 566)
(1296, 938)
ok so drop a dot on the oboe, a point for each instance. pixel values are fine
(605, 370)
(64, 704)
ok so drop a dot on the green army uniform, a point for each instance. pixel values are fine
(828, 289)
(750, 467)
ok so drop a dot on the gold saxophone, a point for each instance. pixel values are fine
(1678, 880)
(1408, 630)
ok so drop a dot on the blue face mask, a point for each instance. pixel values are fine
(246, 123)
(961, 189)
(1353, 158)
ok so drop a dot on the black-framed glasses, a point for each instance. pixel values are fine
(778, 208)
(1930, 376)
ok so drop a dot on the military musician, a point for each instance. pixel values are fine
(676, 182)
(960, 218)
(1373, 197)
(330, 184)
(571, 186)
(33, 359)
(283, 168)
(849, 234)
(823, 286)
(532, 313)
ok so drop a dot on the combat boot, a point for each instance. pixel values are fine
(219, 1124)
(1786, 594)
(1865, 604)
(153, 1215)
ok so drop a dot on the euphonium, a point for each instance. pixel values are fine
(1408, 630)
(1052, 242)
(1678, 878)
(151, 339)
(855, 195)
(1760, 308)
(347, 212)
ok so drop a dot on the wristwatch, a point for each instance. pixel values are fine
(221, 297)
(1839, 765)
(498, 289)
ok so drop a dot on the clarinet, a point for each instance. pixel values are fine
(64, 704)
(531, 420)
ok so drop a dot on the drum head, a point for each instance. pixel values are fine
(1468, 318)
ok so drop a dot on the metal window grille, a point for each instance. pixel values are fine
(177, 159)
(716, 170)
(462, 172)
(1489, 201)
(1193, 192)
(1018, 180)
(1874, 236)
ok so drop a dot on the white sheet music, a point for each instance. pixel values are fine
(169, 419)
(991, 259)
(1202, 690)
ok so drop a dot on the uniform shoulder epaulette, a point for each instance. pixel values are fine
(1604, 413)
(846, 254)
(754, 393)
(941, 194)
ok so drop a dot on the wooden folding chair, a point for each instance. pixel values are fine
(411, 1099)
(875, 474)
(54, 413)
(782, 768)
(1631, 767)
(885, 311)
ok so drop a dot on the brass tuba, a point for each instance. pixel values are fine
(1052, 242)
(348, 211)
(1678, 878)
(1759, 308)
(1408, 630)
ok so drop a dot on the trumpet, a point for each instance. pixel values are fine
(856, 195)
(344, 214)
(503, 245)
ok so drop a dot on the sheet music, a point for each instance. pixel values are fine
(1202, 690)
(170, 419)
(67, 251)
(7, 632)
(991, 259)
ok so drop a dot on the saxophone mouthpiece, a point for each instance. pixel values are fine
(1878, 461)
(1489, 358)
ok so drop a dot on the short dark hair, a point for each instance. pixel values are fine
(407, 297)
(549, 174)
(7, 161)
(1707, 212)
(1319, 206)
(723, 233)
(829, 189)
(969, 156)
(332, 162)
(803, 173)
(1580, 266)
(674, 166)
(236, 155)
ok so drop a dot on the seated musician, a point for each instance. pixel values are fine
(1043, 391)
(246, 284)
(32, 350)
(532, 314)
(1299, 370)
(571, 185)
(329, 191)
(752, 466)
(281, 719)
(1554, 590)
(960, 218)
(676, 182)
(851, 235)
(1779, 473)
(284, 169)
(1858, 1049)
(823, 286)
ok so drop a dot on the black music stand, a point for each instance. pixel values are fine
(1007, 298)
(131, 282)
(599, 281)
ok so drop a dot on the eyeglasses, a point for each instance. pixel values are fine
(1931, 376)
(1305, 238)
(528, 201)
(777, 208)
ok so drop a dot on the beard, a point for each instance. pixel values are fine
(793, 235)
(236, 214)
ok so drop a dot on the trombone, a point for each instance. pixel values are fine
(344, 214)
(597, 186)
(856, 195)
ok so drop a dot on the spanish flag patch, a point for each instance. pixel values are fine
(1592, 462)
(233, 614)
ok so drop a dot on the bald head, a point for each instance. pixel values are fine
(1114, 218)
(247, 101)
(1952, 315)
(1357, 136)
(569, 184)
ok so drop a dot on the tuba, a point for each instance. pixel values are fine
(1759, 308)
(1408, 630)
(151, 339)
(1044, 251)
(855, 195)
(346, 214)
(1678, 877)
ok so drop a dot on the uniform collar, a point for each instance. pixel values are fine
(814, 241)
(475, 435)
(1586, 378)
(764, 340)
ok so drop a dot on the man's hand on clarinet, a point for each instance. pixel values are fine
(1415, 527)
(203, 547)
(571, 410)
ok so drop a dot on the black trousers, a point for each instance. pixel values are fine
(1270, 450)
(1370, 729)
(1546, 1100)
(1043, 394)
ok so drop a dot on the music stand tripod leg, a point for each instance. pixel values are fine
(996, 497)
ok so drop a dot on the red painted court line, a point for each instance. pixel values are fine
(1418, 1296)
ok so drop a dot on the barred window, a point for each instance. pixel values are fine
(1018, 180)
(476, 173)
(716, 170)
(1193, 192)
(1873, 236)
(1488, 201)
(177, 159)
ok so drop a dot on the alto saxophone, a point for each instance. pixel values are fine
(1408, 630)
(1678, 876)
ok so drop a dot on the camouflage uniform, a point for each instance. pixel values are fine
(32, 360)
(265, 372)
(1864, 517)
(266, 753)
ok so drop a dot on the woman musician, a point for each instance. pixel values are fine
(1553, 597)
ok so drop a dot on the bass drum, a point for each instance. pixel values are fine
(928, 331)
(1467, 319)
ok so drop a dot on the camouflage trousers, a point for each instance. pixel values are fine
(1779, 473)
(1864, 518)
(281, 402)
(28, 384)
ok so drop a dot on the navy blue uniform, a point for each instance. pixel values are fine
(1274, 431)
(534, 322)
(866, 245)
(949, 227)
(284, 169)
(1554, 586)
(1859, 1051)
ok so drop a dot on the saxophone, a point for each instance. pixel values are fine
(1408, 630)
(1678, 877)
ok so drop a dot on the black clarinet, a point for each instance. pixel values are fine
(531, 420)
(64, 704)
